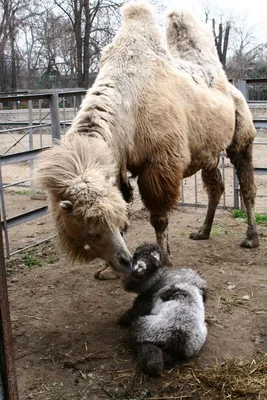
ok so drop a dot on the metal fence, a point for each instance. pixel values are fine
(48, 119)
(54, 118)
(257, 89)
(195, 196)
(51, 120)
(8, 384)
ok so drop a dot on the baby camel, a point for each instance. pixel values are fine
(167, 318)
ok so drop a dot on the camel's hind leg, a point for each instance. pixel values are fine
(212, 180)
(242, 160)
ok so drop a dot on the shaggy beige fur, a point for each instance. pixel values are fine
(192, 44)
(85, 201)
(144, 115)
(192, 47)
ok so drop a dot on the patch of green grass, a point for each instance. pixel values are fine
(217, 230)
(22, 192)
(30, 261)
(242, 216)
(52, 260)
(181, 233)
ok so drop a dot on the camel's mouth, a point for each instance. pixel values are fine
(123, 264)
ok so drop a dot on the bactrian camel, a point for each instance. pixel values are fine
(149, 114)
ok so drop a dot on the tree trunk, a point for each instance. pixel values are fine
(79, 40)
(86, 51)
(221, 41)
(225, 44)
(13, 66)
(79, 51)
(13, 55)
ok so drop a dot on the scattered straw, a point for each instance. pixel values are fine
(231, 380)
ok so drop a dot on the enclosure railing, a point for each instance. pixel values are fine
(8, 383)
(57, 129)
(57, 102)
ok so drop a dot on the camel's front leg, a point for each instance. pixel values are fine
(160, 224)
(106, 273)
(212, 180)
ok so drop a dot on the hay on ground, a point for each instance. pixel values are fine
(231, 380)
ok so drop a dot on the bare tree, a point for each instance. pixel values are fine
(246, 51)
(13, 14)
(88, 19)
(221, 31)
(221, 37)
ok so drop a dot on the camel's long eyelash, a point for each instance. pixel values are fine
(94, 236)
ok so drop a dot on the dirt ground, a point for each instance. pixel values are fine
(68, 344)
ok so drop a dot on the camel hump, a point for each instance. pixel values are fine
(182, 18)
(185, 31)
(138, 10)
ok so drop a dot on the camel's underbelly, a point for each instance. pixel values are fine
(198, 163)
(205, 158)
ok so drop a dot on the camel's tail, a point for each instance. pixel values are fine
(245, 131)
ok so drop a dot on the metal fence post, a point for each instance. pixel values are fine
(30, 124)
(54, 115)
(7, 363)
(236, 189)
(40, 120)
(242, 86)
(30, 138)
(3, 211)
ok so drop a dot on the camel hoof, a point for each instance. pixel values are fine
(105, 274)
(250, 243)
(199, 236)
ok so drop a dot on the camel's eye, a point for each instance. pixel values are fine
(94, 236)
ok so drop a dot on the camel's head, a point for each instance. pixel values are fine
(86, 203)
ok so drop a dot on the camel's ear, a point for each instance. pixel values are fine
(204, 294)
(66, 205)
(156, 255)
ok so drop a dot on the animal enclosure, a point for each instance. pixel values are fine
(67, 342)
(30, 129)
(55, 346)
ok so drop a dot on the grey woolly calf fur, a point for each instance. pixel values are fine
(167, 318)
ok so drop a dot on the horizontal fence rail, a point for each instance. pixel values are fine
(29, 128)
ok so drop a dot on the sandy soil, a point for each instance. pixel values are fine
(17, 198)
(67, 342)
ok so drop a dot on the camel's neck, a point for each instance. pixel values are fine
(94, 118)
(102, 116)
